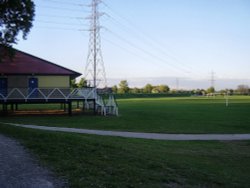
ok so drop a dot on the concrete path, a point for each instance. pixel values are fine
(153, 136)
(18, 169)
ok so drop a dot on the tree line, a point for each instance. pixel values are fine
(123, 88)
(240, 90)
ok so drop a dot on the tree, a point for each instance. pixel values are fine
(15, 16)
(197, 92)
(123, 87)
(135, 90)
(114, 89)
(210, 90)
(73, 83)
(163, 88)
(155, 90)
(243, 89)
(82, 83)
(148, 88)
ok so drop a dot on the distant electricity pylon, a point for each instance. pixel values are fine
(177, 84)
(212, 79)
(95, 71)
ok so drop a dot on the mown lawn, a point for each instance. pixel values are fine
(164, 115)
(96, 161)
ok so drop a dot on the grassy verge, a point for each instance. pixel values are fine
(96, 161)
(164, 115)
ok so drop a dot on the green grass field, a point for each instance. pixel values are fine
(162, 115)
(98, 161)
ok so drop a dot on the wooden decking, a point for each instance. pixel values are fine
(12, 98)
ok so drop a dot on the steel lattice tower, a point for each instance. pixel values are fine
(212, 79)
(95, 70)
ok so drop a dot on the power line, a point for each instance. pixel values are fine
(98, 27)
(66, 3)
(58, 23)
(146, 38)
(64, 9)
(58, 28)
(128, 51)
(137, 31)
(138, 35)
(60, 16)
(148, 53)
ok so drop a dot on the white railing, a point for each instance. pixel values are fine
(48, 94)
(66, 94)
(111, 106)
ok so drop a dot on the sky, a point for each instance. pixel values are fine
(174, 42)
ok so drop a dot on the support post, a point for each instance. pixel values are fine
(16, 106)
(83, 106)
(64, 107)
(95, 111)
(5, 109)
(70, 108)
(12, 107)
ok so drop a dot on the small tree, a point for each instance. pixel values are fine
(148, 88)
(123, 87)
(243, 89)
(82, 83)
(115, 89)
(155, 90)
(163, 88)
(230, 91)
(197, 92)
(73, 83)
(210, 90)
(135, 90)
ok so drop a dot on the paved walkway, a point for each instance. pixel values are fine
(153, 136)
(18, 169)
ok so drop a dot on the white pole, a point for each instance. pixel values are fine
(227, 101)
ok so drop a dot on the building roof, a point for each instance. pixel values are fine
(26, 64)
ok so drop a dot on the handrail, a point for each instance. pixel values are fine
(48, 93)
(86, 94)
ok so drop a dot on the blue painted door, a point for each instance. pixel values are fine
(33, 83)
(3, 86)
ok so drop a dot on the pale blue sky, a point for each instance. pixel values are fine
(149, 38)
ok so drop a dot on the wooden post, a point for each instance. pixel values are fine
(5, 108)
(16, 107)
(83, 105)
(12, 107)
(64, 107)
(70, 108)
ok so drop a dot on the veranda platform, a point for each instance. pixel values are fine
(11, 98)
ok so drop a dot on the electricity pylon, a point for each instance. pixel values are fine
(212, 79)
(95, 71)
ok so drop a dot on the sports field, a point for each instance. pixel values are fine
(161, 115)
(100, 161)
